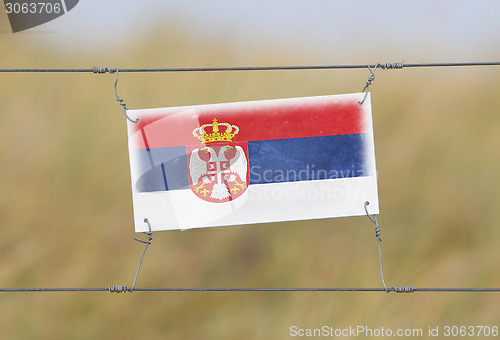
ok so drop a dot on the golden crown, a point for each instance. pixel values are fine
(214, 134)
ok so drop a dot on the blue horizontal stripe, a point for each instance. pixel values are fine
(161, 169)
(270, 161)
(306, 159)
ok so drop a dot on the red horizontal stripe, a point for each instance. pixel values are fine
(259, 120)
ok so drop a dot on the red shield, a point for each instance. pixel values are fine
(218, 172)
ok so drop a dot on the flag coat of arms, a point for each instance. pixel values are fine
(252, 162)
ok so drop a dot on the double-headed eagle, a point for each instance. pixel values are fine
(216, 169)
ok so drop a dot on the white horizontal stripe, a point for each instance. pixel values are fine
(181, 209)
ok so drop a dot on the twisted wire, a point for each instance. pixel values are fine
(102, 70)
(147, 242)
(377, 234)
(368, 83)
(118, 289)
(404, 289)
(379, 239)
(392, 66)
(118, 99)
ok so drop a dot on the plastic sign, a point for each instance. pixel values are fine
(252, 162)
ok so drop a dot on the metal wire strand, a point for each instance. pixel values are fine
(392, 66)
(147, 242)
(102, 70)
(368, 83)
(377, 234)
(118, 99)
(250, 68)
(117, 289)
(120, 289)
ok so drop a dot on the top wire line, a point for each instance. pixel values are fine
(398, 65)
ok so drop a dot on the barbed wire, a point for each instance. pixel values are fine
(397, 65)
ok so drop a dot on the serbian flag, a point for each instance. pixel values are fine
(252, 162)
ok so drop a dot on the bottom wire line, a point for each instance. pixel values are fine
(173, 289)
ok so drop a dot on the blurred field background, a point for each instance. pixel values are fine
(66, 209)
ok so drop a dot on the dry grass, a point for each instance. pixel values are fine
(66, 214)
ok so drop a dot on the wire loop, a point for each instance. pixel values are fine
(385, 66)
(102, 70)
(368, 82)
(377, 234)
(118, 99)
(147, 242)
(122, 289)
(374, 220)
